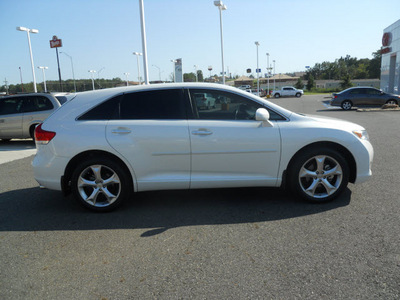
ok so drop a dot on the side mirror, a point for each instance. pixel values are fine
(263, 115)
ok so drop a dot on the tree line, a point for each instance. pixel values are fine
(344, 69)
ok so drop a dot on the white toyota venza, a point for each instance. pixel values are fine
(104, 145)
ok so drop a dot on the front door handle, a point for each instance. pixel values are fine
(201, 132)
(121, 130)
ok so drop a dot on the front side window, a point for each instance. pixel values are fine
(153, 105)
(373, 92)
(219, 105)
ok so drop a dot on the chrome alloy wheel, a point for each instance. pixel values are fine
(320, 176)
(99, 185)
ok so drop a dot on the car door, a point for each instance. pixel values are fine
(375, 97)
(229, 147)
(36, 109)
(11, 117)
(151, 132)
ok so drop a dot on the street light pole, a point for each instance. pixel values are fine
(268, 71)
(257, 71)
(221, 7)
(30, 52)
(159, 71)
(92, 71)
(144, 46)
(72, 65)
(127, 82)
(138, 65)
(44, 78)
(274, 73)
(195, 68)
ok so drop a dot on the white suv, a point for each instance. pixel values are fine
(19, 114)
(103, 145)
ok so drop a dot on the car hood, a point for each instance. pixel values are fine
(333, 122)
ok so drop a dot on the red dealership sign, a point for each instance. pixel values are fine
(55, 42)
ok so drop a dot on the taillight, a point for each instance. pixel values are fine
(43, 136)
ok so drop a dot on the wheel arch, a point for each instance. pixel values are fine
(332, 145)
(73, 163)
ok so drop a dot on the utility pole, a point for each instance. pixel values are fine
(6, 83)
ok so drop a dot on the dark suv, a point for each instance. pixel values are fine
(19, 114)
(362, 96)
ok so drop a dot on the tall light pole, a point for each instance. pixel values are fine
(257, 71)
(127, 82)
(144, 46)
(274, 73)
(173, 64)
(195, 69)
(91, 72)
(44, 78)
(221, 7)
(268, 71)
(72, 65)
(138, 65)
(30, 52)
(159, 71)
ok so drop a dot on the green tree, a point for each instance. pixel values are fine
(346, 82)
(299, 84)
(310, 82)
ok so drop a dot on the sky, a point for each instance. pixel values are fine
(102, 35)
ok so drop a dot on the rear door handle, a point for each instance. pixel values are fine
(121, 130)
(201, 132)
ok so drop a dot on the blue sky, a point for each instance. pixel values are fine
(101, 35)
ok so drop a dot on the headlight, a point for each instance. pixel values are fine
(361, 134)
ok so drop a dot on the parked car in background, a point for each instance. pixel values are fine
(362, 96)
(245, 87)
(103, 145)
(287, 91)
(19, 114)
(204, 100)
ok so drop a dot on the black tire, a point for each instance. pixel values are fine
(391, 101)
(100, 184)
(346, 105)
(298, 95)
(277, 95)
(318, 174)
(32, 131)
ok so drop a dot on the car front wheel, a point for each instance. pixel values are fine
(347, 105)
(391, 102)
(100, 184)
(319, 175)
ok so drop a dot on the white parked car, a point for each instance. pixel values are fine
(287, 91)
(103, 145)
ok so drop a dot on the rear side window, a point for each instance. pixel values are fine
(153, 105)
(9, 106)
(103, 111)
(36, 103)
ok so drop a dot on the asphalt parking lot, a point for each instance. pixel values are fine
(251, 243)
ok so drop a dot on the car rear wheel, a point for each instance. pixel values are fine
(319, 175)
(347, 105)
(298, 95)
(100, 184)
(391, 102)
(277, 95)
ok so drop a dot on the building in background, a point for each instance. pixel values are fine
(390, 65)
